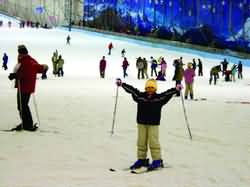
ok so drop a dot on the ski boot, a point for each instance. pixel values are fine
(17, 128)
(156, 164)
(140, 163)
(33, 128)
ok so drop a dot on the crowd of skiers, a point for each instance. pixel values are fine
(229, 74)
(27, 23)
(158, 68)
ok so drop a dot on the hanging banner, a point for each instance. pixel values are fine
(39, 10)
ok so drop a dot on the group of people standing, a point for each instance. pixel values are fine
(160, 74)
(228, 73)
(159, 67)
(58, 63)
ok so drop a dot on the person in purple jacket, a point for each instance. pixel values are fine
(189, 75)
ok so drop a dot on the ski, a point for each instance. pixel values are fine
(35, 130)
(200, 99)
(140, 170)
(115, 170)
(9, 130)
(146, 170)
(238, 102)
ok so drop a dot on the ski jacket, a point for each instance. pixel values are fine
(178, 73)
(240, 67)
(163, 66)
(149, 109)
(102, 65)
(189, 75)
(54, 59)
(26, 73)
(145, 64)
(110, 46)
(125, 64)
(234, 69)
(5, 59)
(153, 64)
(60, 63)
(200, 65)
(139, 63)
(215, 70)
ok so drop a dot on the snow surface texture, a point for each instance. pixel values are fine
(74, 148)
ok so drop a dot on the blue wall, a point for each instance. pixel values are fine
(225, 18)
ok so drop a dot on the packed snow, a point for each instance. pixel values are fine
(73, 146)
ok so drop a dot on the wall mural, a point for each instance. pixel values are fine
(215, 23)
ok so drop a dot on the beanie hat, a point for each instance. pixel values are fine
(190, 65)
(151, 83)
(22, 50)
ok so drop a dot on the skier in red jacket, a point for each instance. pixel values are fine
(110, 47)
(25, 75)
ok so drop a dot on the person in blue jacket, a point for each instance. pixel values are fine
(5, 61)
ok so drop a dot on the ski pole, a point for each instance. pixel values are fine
(36, 109)
(114, 112)
(20, 101)
(185, 115)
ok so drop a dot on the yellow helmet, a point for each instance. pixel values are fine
(151, 83)
(190, 65)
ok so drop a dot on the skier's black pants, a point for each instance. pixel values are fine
(125, 72)
(200, 73)
(5, 67)
(153, 70)
(24, 110)
(140, 72)
(240, 75)
(213, 76)
(102, 73)
(60, 72)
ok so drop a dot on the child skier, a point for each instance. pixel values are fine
(149, 105)
(189, 74)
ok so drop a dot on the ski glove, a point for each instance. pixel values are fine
(179, 87)
(118, 82)
(45, 67)
(12, 76)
